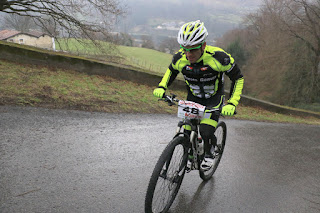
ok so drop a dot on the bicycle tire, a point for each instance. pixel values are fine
(221, 135)
(167, 176)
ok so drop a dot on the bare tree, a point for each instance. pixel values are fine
(124, 39)
(169, 44)
(301, 20)
(74, 19)
(19, 23)
(284, 51)
(147, 42)
(49, 26)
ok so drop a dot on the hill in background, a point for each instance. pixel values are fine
(219, 16)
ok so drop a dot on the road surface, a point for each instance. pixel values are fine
(73, 161)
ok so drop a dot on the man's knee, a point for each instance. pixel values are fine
(207, 131)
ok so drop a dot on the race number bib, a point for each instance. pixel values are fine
(189, 109)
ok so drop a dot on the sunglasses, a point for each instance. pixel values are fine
(191, 49)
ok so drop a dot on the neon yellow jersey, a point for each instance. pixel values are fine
(205, 78)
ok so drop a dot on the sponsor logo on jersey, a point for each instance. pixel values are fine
(204, 68)
(226, 61)
(189, 79)
(207, 79)
(189, 68)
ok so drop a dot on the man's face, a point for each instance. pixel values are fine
(194, 52)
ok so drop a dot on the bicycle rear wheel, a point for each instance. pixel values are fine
(167, 176)
(221, 135)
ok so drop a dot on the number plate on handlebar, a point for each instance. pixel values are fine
(190, 109)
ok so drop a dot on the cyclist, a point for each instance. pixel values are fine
(203, 68)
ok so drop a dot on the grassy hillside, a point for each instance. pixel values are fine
(148, 59)
(41, 86)
(30, 85)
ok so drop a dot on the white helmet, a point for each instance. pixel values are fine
(192, 33)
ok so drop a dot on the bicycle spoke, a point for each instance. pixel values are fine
(169, 179)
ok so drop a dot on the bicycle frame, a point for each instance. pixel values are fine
(197, 148)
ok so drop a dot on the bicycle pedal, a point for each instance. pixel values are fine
(189, 167)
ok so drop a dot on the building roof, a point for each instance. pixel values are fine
(5, 34)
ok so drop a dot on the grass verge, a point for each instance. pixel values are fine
(31, 85)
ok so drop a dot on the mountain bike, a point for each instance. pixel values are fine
(183, 149)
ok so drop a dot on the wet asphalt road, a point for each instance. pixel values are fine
(71, 161)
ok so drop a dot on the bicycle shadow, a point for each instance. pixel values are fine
(198, 201)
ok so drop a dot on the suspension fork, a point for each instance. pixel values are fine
(193, 141)
(192, 138)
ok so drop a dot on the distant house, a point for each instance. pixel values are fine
(32, 38)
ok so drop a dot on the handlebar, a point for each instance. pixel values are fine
(172, 100)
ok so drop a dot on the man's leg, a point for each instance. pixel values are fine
(207, 134)
(207, 128)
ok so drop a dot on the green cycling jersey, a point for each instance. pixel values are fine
(205, 77)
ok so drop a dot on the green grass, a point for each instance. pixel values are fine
(41, 86)
(142, 58)
(258, 114)
(311, 107)
(31, 85)
(81, 47)
(149, 59)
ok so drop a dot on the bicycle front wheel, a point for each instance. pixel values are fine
(221, 135)
(167, 176)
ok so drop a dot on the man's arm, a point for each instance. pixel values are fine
(237, 79)
(166, 81)
(171, 72)
(232, 70)
(168, 77)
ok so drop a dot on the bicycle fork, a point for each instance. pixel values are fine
(197, 145)
(176, 175)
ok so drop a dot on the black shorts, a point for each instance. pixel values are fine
(215, 101)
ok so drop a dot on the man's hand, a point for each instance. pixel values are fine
(228, 110)
(159, 92)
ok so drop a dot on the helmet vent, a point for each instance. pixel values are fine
(192, 33)
(199, 38)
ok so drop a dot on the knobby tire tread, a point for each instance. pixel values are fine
(166, 154)
(208, 176)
